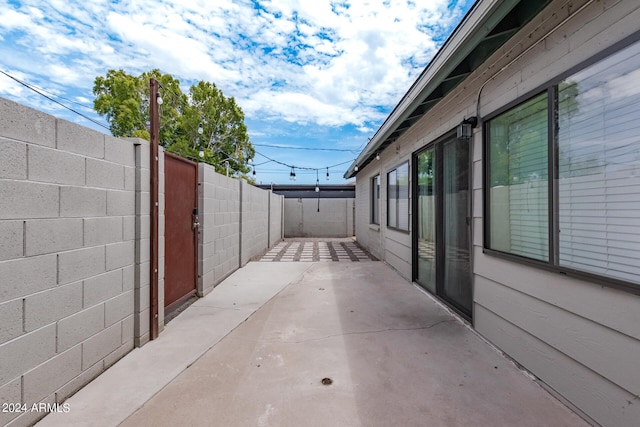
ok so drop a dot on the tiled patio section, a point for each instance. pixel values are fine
(290, 251)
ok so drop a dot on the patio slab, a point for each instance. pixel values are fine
(392, 354)
(136, 378)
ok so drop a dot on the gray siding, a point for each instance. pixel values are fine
(581, 339)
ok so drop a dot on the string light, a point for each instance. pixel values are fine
(200, 129)
(377, 156)
(159, 98)
(317, 182)
(327, 173)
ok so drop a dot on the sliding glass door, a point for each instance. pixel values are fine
(426, 229)
(442, 242)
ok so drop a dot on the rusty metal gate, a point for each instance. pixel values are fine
(181, 222)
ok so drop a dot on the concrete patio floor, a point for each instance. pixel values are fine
(254, 352)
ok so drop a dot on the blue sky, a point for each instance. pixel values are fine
(308, 75)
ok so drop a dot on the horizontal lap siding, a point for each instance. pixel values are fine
(578, 337)
(581, 339)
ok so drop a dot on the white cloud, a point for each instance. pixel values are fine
(327, 62)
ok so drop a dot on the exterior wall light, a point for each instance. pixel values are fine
(465, 129)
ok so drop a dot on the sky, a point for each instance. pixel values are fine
(315, 78)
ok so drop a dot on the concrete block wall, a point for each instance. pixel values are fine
(67, 256)
(219, 243)
(323, 218)
(140, 226)
(276, 220)
(237, 222)
(255, 222)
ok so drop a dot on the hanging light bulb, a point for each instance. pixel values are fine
(356, 168)
(201, 153)
(158, 98)
(254, 172)
(377, 156)
(291, 175)
(327, 174)
(294, 174)
(317, 186)
(249, 160)
(200, 129)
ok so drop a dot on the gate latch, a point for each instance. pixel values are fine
(196, 221)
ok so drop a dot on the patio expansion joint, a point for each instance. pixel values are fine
(420, 328)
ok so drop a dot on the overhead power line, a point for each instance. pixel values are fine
(41, 93)
(305, 148)
(46, 94)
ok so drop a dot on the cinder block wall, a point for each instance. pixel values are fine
(328, 218)
(142, 265)
(219, 243)
(237, 222)
(255, 222)
(276, 220)
(68, 256)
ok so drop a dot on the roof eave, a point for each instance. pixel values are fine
(477, 23)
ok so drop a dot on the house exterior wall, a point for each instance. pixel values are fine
(73, 264)
(580, 338)
(306, 217)
(386, 243)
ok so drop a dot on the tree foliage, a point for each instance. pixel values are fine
(123, 99)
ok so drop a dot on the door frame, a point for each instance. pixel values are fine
(437, 145)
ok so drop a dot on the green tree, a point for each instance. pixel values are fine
(203, 125)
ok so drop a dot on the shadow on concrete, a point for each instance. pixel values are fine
(394, 357)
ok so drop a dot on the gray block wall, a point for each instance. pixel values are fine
(323, 218)
(255, 222)
(141, 227)
(218, 241)
(276, 218)
(67, 256)
(237, 223)
(75, 277)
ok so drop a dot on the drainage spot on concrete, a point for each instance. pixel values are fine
(321, 289)
(327, 381)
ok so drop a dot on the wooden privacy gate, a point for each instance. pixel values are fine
(181, 229)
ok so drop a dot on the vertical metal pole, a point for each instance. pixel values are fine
(155, 140)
